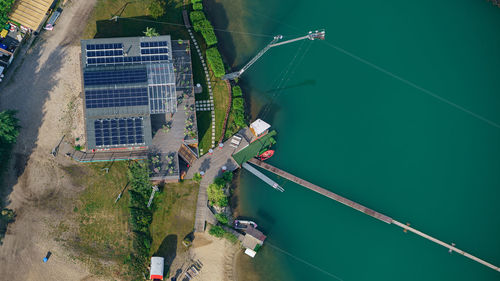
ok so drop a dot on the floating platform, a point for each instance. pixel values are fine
(263, 177)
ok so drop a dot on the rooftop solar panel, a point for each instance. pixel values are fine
(91, 78)
(120, 131)
(104, 98)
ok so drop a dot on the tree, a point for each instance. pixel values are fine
(5, 8)
(9, 130)
(215, 61)
(9, 127)
(216, 195)
(228, 176)
(197, 177)
(157, 8)
(151, 32)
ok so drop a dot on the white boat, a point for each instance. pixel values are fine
(243, 224)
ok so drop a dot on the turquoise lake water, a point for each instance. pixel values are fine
(358, 130)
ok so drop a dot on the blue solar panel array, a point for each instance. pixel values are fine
(116, 97)
(135, 59)
(113, 46)
(107, 53)
(92, 78)
(120, 131)
(154, 51)
(154, 44)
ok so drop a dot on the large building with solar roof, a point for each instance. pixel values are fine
(125, 80)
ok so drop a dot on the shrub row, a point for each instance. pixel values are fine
(201, 24)
(220, 232)
(214, 59)
(140, 215)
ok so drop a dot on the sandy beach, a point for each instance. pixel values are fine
(217, 256)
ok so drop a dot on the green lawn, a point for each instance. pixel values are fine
(101, 237)
(99, 232)
(221, 100)
(204, 119)
(136, 18)
(173, 219)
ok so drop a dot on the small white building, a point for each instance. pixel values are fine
(157, 264)
(259, 127)
(250, 252)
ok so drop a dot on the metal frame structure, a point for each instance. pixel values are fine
(316, 35)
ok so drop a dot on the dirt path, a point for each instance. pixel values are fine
(43, 86)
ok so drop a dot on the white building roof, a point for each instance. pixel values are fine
(250, 252)
(259, 126)
(156, 268)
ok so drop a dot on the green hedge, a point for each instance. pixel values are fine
(214, 59)
(237, 91)
(197, 6)
(196, 16)
(196, 1)
(207, 31)
(238, 111)
(201, 24)
(140, 215)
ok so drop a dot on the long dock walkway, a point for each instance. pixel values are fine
(365, 210)
(322, 191)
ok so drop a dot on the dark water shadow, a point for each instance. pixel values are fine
(167, 250)
(218, 16)
(268, 112)
(308, 82)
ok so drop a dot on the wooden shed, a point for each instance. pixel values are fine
(30, 13)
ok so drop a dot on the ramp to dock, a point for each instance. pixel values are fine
(366, 210)
(263, 177)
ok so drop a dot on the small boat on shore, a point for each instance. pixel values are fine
(243, 224)
(266, 155)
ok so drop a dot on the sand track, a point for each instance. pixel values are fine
(43, 84)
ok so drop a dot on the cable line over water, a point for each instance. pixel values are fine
(409, 83)
(304, 262)
(179, 24)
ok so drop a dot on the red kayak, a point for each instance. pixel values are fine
(266, 155)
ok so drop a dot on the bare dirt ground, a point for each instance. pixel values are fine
(218, 257)
(43, 85)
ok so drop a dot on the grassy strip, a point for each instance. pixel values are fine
(173, 218)
(220, 232)
(98, 233)
(221, 102)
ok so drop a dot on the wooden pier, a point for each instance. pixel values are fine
(322, 191)
(365, 210)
